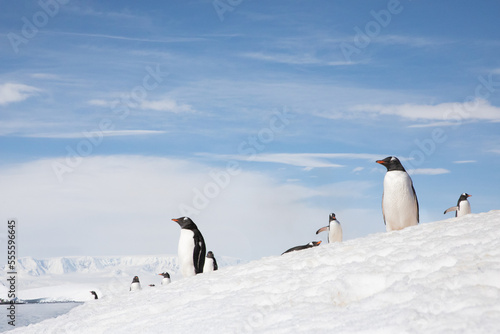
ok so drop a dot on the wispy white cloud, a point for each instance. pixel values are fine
(428, 171)
(413, 41)
(306, 160)
(465, 162)
(14, 92)
(47, 76)
(294, 59)
(166, 104)
(108, 133)
(479, 109)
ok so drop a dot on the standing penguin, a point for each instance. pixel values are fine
(192, 249)
(210, 263)
(463, 206)
(334, 228)
(399, 200)
(166, 278)
(306, 246)
(95, 294)
(135, 285)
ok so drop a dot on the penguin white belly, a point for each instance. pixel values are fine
(185, 253)
(335, 233)
(135, 286)
(463, 208)
(399, 203)
(209, 265)
(165, 281)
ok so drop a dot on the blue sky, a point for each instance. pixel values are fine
(256, 119)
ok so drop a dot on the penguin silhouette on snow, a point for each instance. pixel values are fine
(463, 206)
(334, 230)
(166, 278)
(297, 248)
(135, 285)
(399, 200)
(192, 249)
(210, 263)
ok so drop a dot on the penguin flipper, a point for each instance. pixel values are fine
(326, 228)
(416, 201)
(199, 252)
(215, 265)
(453, 208)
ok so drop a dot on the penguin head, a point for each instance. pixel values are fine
(391, 163)
(464, 197)
(332, 217)
(135, 280)
(165, 275)
(184, 222)
(210, 254)
(315, 243)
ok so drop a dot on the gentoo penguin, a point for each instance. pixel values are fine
(399, 200)
(334, 228)
(136, 285)
(95, 294)
(166, 278)
(463, 206)
(309, 245)
(210, 263)
(191, 250)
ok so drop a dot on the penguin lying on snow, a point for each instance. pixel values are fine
(192, 249)
(135, 285)
(334, 228)
(309, 245)
(463, 206)
(399, 200)
(210, 263)
(166, 278)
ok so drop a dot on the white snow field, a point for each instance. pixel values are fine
(441, 277)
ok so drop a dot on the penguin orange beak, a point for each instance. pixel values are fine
(319, 242)
(380, 162)
(469, 195)
(175, 220)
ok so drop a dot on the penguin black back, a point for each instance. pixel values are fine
(95, 294)
(297, 248)
(200, 249)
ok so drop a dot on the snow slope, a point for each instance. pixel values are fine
(71, 278)
(441, 277)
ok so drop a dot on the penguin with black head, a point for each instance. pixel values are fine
(191, 249)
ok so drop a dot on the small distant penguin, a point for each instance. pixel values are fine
(297, 248)
(334, 228)
(136, 285)
(192, 249)
(463, 206)
(166, 278)
(399, 200)
(210, 263)
(95, 294)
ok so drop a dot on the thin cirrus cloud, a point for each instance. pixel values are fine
(92, 134)
(14, 92)
(447, 113)
(428, 171)
(166, 104)
(304, 59)
(306, 160)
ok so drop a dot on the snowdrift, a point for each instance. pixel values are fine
(433, 278)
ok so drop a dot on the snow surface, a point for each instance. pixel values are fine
(441, 277)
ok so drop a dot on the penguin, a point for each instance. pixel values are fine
(399, 199)
(210, 263)
(166, 278)
(135, 285)
(297, 248)
(462, 208)
(334, 228)
(192, 249)
(95, 294)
